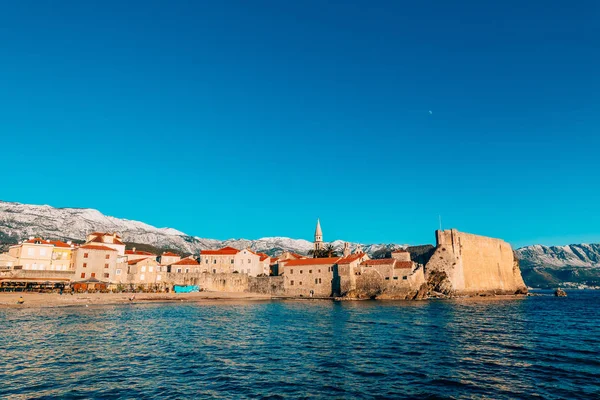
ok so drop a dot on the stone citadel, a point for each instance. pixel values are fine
(459, 264)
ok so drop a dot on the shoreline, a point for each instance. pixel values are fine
(54, 300)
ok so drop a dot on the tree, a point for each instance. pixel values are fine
(327, 251)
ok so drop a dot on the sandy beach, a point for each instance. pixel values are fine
(33, 300)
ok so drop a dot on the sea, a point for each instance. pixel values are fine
(498, 348)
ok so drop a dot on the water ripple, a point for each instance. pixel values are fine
(539, 347)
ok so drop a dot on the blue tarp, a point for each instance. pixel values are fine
(186, 289)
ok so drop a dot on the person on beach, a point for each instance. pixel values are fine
(20, 301)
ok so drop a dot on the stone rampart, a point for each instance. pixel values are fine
(464, 263)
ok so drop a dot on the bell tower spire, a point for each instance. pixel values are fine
(318, 236)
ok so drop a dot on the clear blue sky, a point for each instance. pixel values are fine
(251, 119)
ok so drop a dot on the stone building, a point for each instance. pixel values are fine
(144, 272)
(42, 255)
(265, 264)
(311, 277)
(229, 260)
(168, 258)
(134, 254)
(96, 261)
(185, 266)
(348, 267)
(7, 261)
(112, 240)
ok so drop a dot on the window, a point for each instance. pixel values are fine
(310, 271)
(93, 274)
(42, 252)
(85, 255)
(316, 281)
(42, 266)
(319, 280)
(387, 278)
(118, 272)
(142, 277)
(143, 268)
(178, 270)
(395, 278)
(291, 271)
(158, 277)
(83, 274)
(207, 260)
(150, 269)
(84, 265)
(214, 271)
(291, 283)
(300, 283)
(187, 270)
(300, 271)
(249, 261)
(232, 261)
(106, 275)
(30, 252)
(404, 278)
(107, 257)
(105, 265)
(215, 261)
(319, 271)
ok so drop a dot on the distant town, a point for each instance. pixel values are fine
(103, 263)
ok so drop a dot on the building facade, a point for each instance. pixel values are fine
(96, 261)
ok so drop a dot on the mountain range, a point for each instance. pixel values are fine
(542, 266)
(20, 221)
(550, 266)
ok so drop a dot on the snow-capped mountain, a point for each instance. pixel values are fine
(573, 255)
(20, 221)
(548, 266)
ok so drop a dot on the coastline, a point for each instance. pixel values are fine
(53, 300)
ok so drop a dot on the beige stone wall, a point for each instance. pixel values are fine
(217, 264)
(32, 256)
(99, 264)
(301, 280)
(475, 263)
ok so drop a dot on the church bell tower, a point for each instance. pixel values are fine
(318, 237)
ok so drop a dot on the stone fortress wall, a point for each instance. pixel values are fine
(473, 264)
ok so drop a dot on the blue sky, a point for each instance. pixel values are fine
(252, 119)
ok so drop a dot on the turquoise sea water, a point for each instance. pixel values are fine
(543, 347)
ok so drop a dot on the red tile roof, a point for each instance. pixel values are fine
(220, 252)
(98, 239)
(274, 260)
(263, 256)
(93, 247)
(351, 258)
(139, 252)
(298, 255)
(186, 261)
(311, 261)
(131, 262)
(169, 254)
(403, 264)
(55, 243)
(381, 261)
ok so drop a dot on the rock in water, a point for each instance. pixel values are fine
(560, 293)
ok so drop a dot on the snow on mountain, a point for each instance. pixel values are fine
(573, 255)
(20, 221)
